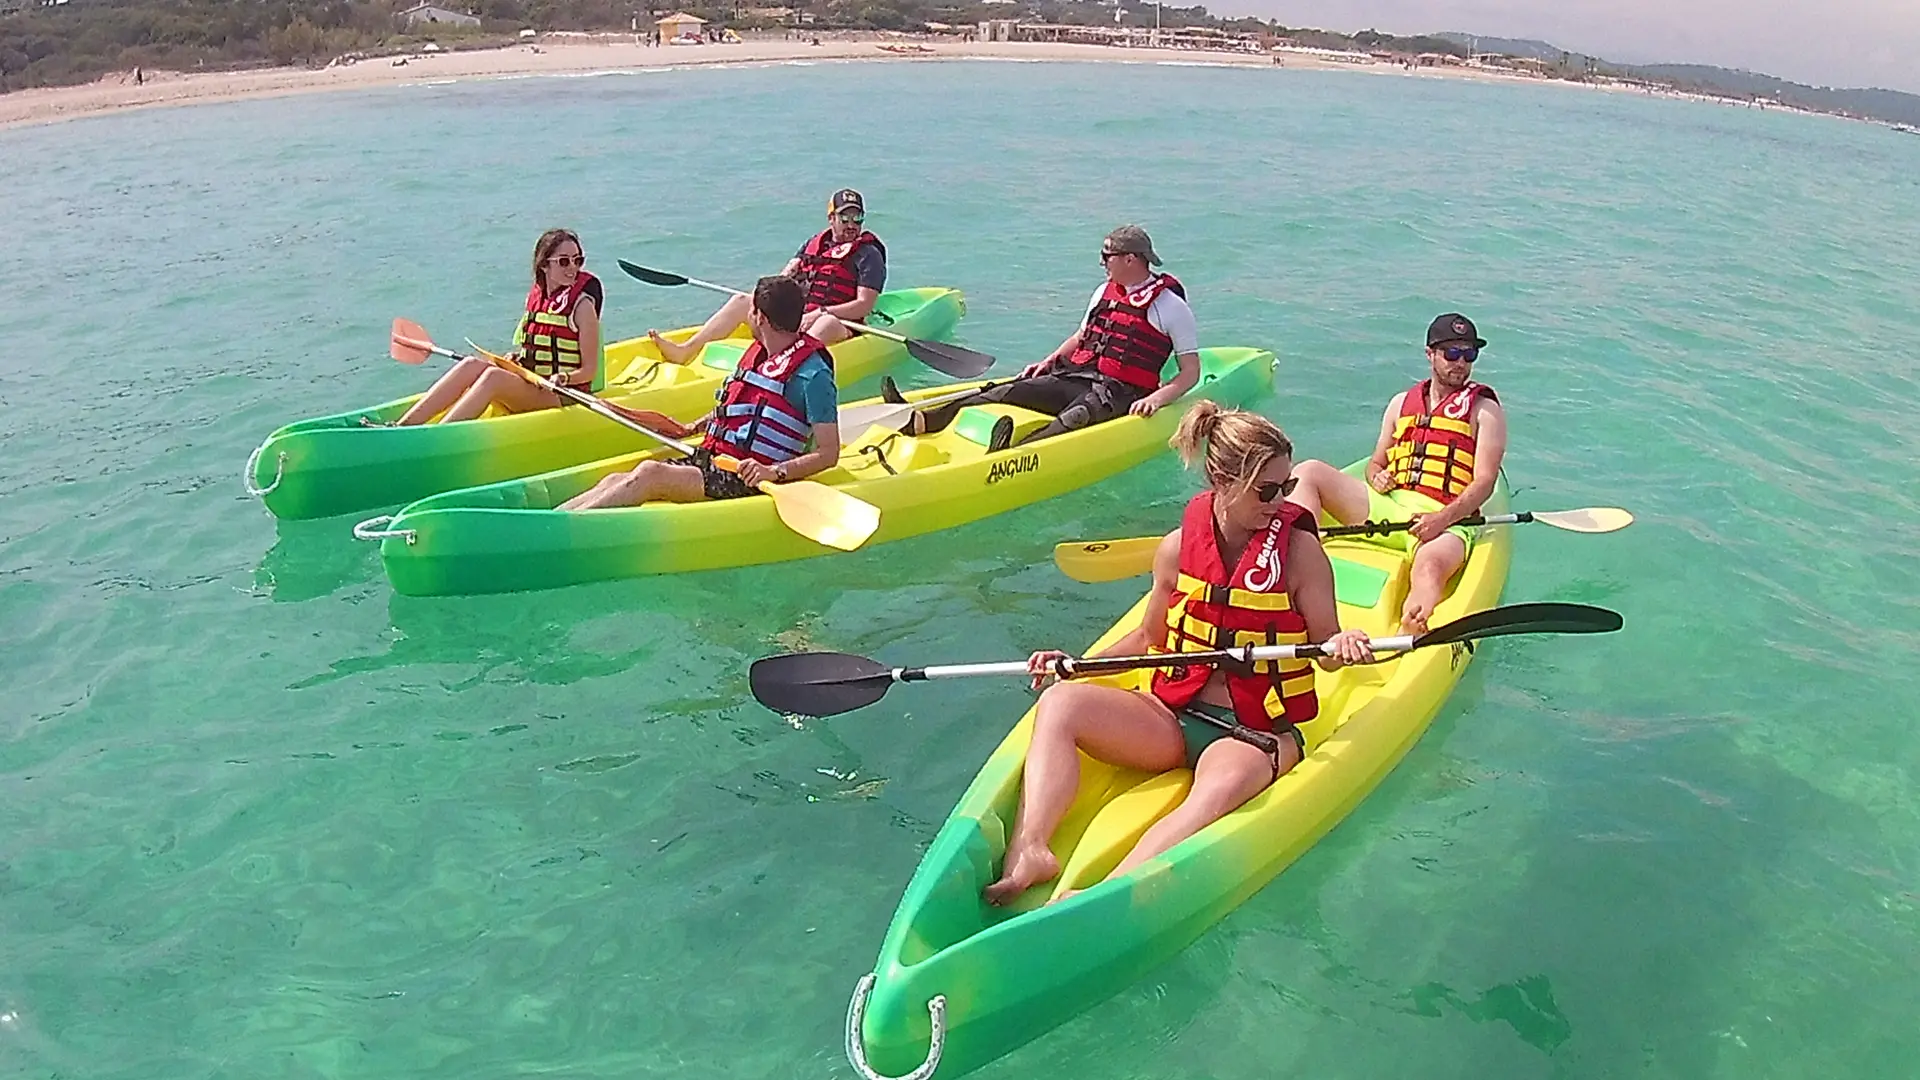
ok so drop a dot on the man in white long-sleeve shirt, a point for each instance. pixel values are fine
(1111, 366)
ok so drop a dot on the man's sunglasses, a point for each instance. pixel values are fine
(1469, 353)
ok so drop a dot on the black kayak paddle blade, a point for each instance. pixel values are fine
(951, 360)
(1546, 618)
(818, 683)
(652, 276)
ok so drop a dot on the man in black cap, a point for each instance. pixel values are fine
(843, 270)
(1435, 463)
(1136, 320)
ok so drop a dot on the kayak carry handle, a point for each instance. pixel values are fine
(857, 1048)
(370, 530)
(253, 462)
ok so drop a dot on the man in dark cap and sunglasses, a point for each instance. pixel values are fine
(1435, 463)
(1111, 365)
(843, 270)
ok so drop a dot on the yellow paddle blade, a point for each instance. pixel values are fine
(1106, 560)
(1594, 519)
(824, 514)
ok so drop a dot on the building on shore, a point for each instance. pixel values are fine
(424, 14)
(1182, 37)
(680, 23)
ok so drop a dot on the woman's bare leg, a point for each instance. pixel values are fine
(1117, 726)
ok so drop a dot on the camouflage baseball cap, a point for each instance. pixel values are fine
(1130, 240)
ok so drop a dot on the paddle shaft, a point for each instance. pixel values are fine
(1381, 528)
(591, 402)
(1068, 667)
(851, 324)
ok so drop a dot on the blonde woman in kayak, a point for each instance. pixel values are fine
(1244, 565)
(559, 335)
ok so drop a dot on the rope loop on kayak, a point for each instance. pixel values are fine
(370, 530)
(253, 462)
(641, 379)
(857, 1047)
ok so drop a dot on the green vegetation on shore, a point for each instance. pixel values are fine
(76, 41)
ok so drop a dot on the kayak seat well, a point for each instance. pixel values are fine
(975, 422)
(1100, 784)
(881, 451)
(1118, 826)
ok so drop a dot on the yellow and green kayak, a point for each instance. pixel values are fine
(349, 461)
(997, 978)
(506, 537)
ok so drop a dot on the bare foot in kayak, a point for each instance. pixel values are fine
(672, 351)
(1413, 616)
(1025, 868)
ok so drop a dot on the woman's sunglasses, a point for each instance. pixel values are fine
(568, 260)
(1276, 489)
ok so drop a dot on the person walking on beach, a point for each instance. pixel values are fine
(841, 270)
(1111, 365)
(558, 337)
(1435, 463)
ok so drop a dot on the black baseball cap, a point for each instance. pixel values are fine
(1453, 326)
(846, 199)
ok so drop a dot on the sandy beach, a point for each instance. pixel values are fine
(555, 55)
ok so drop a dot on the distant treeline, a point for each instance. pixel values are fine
(78, 41)
(81, 40)
(84, 39)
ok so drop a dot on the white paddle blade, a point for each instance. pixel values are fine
(1597, 519)
(859, 418)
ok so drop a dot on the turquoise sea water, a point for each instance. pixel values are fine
(260, 817)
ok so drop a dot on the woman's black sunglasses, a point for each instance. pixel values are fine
(1276, 489)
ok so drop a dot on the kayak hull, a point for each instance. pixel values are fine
(1008, 976)
(505, 537)
(339, 464)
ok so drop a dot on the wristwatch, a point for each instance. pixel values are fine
(780, 472)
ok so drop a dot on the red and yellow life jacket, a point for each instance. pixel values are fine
(1432, 450)
(826, 268)
(1217, 608)
(1119, 339)
(546, 338)
(754, 418)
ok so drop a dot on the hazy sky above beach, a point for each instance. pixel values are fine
(1837, 42)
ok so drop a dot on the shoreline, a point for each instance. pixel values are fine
(585, 55)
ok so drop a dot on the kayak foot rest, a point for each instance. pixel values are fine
(975, 422)
(722, 355)
(1119, 826)
(857, 1043)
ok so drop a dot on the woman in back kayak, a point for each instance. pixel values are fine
(559, 335)
(1244, 566)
